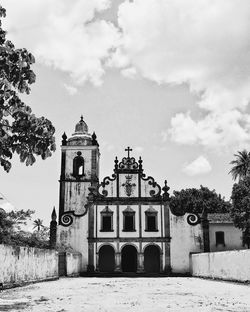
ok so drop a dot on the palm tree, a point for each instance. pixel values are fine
(38, 224)
(241, 165)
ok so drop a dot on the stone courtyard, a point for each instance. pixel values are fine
(128, 294)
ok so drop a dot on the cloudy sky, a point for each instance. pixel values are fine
(168, 77)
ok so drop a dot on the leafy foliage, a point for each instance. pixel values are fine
(11, 231)
(240, 210)
(195, 200)
(11, 223)
(21, 131)
(241, 165)
(38, 224)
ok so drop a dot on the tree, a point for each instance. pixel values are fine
(21, 131)
(240, 209)
(195, 200)
(38, 224)
(11, 224)
(12, 232)
(241, 165)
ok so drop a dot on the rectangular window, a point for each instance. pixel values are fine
(106, 223)
(129, 223)
(151, 223)
(220, 238)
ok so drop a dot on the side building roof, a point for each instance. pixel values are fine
(219, 218)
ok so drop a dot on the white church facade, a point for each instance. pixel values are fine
(123, 223)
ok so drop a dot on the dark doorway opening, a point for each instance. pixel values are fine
(106, 259)
(62, 271)
(152, 259)
(129, 259)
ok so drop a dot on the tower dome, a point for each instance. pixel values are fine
(81, 127)
(81, 135)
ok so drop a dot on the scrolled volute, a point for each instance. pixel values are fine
(193, 219)
(66, 220)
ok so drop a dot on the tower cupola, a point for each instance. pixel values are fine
(81, 135)
(81, 127)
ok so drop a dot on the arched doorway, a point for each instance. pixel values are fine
(152, 259)
(129, 259)
(106, 259)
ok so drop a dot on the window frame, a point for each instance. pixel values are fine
(128, 213)
(151, 212)
(107, 213)
(220, 241)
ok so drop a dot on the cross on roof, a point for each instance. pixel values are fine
(128, 150)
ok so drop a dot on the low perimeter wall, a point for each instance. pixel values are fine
(73, 263)
(20, 265)
(227, 265)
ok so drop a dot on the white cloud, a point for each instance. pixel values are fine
(204, 44)
(64, 34)
(129, 72)
(199, 166)
(70, 89)
(138, 149)
(183, 129)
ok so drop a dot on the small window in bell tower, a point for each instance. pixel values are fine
(78, 165)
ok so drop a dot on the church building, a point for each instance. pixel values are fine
(118, 225)
(121, 223)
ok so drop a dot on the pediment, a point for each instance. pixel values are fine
(128, 210)
(107, 210)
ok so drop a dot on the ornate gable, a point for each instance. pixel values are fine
(128, 183)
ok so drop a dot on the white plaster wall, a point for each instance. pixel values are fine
(146, 188)
(75, 196)
(135, 244)
(100, 234)
(129, 234)
(184, 239)
(100, 244)
(144, 245)
(26, 264)
(226, 265)
(233, 236)
(73, 263)
(111, 188)
(74, 238)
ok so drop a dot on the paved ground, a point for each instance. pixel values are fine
(128, 294)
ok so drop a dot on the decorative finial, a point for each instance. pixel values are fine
(81, 118)
(165, 189)
(64, 139)
(128, 149)
(140, 163)
(116, 163)
(94, 140)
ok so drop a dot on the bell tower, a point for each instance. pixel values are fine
(79, 171)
